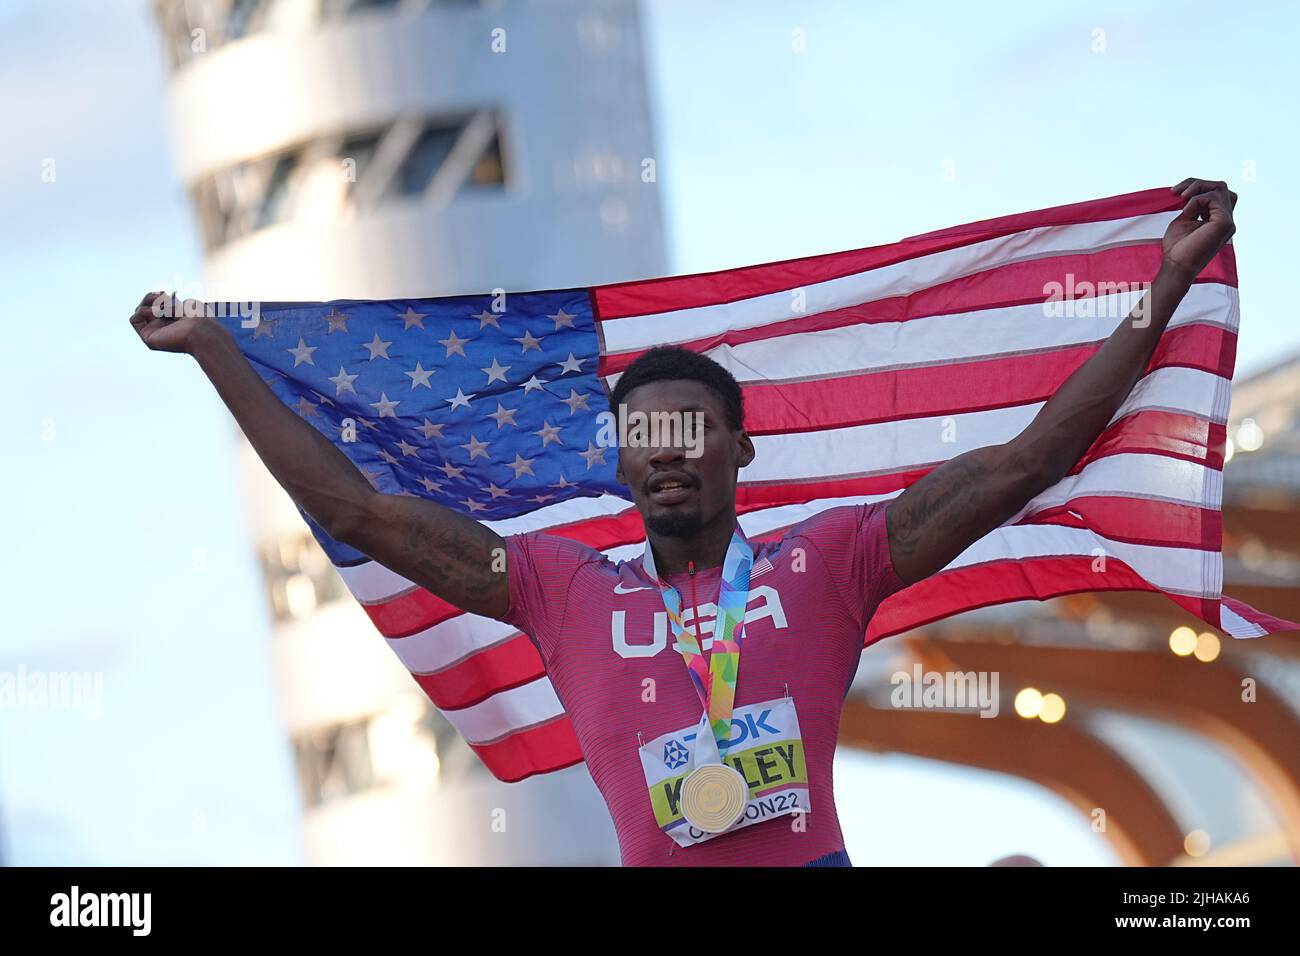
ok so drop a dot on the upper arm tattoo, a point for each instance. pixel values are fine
(951, 508)
(451, 555)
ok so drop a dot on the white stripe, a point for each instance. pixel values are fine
(1135, 475)
(900, 278)
(1236, 625)
(968, 336)
(442, 645)
(507, 712)
(1177, 570)
(893, 446)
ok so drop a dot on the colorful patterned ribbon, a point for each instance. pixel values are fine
(715, 682)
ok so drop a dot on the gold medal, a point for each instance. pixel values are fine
(713, 797)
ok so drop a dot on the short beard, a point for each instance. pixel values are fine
(676, 524)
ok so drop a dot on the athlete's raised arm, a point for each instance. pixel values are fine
(455, 557)
(962, 500)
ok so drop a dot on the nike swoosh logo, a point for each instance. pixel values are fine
(619, 589)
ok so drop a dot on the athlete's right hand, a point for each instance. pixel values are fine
(169, 334)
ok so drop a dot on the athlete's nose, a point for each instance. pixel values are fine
(666, 454)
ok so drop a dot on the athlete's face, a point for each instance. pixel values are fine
(688, 478)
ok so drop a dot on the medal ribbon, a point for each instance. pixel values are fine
(715, 682)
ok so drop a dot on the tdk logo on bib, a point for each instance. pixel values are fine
(765, 748)
(746, 728)
(675, 754)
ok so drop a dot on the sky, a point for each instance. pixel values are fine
(127, 555)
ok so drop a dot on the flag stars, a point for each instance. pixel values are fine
(594, 455)
(430, 430)
(564, 483)
(302, 353)
(473, 505)
(496, 372)
(522, 466)
(387, 455)
(529, 342)
(408, 449)
(542, 499)
(532, 383)
(562, 320)
(461, 400)
(412, 318)
(496, 492)
(575, 401)
(343, 382)
(338, 322)
(571, 364)
(476, 449)
(454, 344)
(504, 416)
(549, 433)
(378, 348)
(384, 406)
(486, 318)
(420, 376)
(304, 407)
(451, 471)
(431, 486)
(265, 328)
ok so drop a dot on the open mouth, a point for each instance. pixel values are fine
(671, 491)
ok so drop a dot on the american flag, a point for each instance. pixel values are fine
(861, 371)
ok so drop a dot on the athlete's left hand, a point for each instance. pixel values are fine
(1201, 229)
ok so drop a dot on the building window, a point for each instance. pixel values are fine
(436, 159)
(192, 27)
(426, 157)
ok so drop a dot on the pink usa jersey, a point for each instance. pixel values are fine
(602, 631)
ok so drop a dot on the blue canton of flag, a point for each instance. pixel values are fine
(490, 413)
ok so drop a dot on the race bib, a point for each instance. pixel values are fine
(764, 746)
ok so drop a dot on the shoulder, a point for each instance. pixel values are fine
(839, 523)
(544, 551)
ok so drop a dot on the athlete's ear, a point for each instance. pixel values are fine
(747, 452)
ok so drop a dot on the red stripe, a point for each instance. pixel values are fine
(712, 288)
(1017, 284)
(1172, 434)
(999, 582)
(1139, 521)
(540, 749)
(957, 388)
(1268, 622)
(477, 676)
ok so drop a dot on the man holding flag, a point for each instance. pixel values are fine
(714, 746)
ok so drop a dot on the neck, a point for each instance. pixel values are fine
(707, 548)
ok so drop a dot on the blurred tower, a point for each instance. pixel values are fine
(371, 149)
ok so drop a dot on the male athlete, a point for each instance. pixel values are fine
(627, 645)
